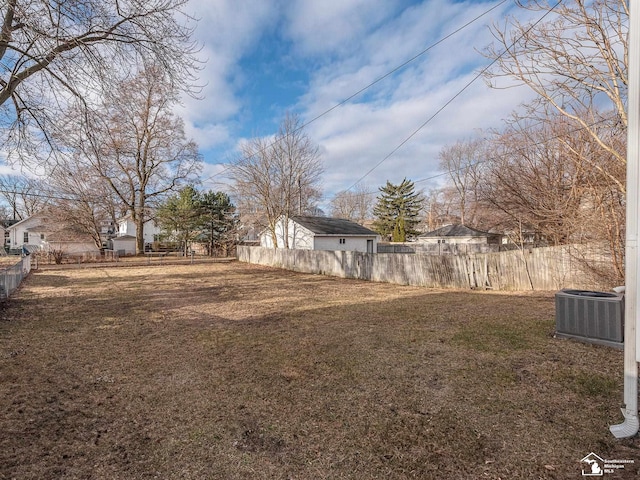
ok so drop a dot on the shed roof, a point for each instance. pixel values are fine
(457, 230)
(332, 226)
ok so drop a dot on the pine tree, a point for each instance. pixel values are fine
(219, 222)
(397, 211)
(180, 216)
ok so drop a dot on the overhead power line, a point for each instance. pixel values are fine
(448, 102)
(376, 81)
(375, 192)
(40, 195)
(495, 157)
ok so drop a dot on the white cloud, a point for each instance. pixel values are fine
(357, 136)
(7, 170)
(226, 29)
(360, 136)
(344, 45)
(213, 177)
(324, 27)
(208, 135)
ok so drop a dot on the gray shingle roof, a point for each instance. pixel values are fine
(332, 226)
(457, 231)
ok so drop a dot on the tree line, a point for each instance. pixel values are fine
(209, 218)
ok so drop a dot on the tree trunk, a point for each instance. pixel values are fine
(139, 234)
(139, 221)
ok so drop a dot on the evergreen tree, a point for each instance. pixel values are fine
(219, 222)
(397, 211)
(180, 216)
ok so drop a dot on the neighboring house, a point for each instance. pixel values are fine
(107, 229)
(29, 233)
(4, 227)
(71, 243)
(41, 232)
(322, 233)
(525, 237)
(459, 234)
(127, 227)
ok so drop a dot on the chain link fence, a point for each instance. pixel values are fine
(10, 278)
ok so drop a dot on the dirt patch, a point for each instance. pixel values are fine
(233, 371)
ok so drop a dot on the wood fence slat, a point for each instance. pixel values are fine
(548, 268)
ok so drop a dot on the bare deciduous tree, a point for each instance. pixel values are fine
(354, 205)
(463, 162)
(54, 51)
(438, 208)
(576, 63)
(278, 177)
(82, 200)
(24, 195)
(137, 145)
(535, 179)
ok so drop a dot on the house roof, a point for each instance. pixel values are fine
(6, 223)
(332, 226)
(68, 236)
(35, 216)
(457, 231)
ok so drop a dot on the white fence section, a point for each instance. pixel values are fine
(549, 268)
(10, 278)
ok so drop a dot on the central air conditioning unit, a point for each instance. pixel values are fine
(592, 317)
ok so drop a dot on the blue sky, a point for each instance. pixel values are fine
(266, 57)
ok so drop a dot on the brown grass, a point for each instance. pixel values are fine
(230, 371)
(8, 261)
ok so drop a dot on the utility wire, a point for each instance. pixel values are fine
(40, 195)
(426, 179)
(376, 81)
(476, 77)
(448, 102)
(495, 157)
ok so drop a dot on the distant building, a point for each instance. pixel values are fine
(459, 234)
(127, 228)
(321, 233)
(42, 231)
(5, 224)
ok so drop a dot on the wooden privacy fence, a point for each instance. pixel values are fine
(548, 268)
(11, 278)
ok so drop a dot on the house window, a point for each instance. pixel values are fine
(42, 236)
(25, 237)
(343, 241)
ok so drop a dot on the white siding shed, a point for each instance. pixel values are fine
(321, 233)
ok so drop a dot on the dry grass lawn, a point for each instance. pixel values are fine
(8, 261)
(232, 371)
